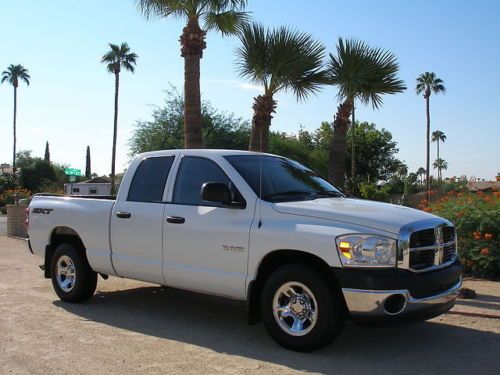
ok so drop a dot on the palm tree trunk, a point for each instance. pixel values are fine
(193, 44)
(115, 131)
(263, 108)
(336, 163)
(15, 135)
(427, 175)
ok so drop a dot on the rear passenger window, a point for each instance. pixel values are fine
(193, 173)
(149, 179)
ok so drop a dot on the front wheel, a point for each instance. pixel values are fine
(300, 311)
(72, 278)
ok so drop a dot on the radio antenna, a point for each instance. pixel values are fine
(260, 181)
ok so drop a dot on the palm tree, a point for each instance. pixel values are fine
(428, 83)
(421, 173)
(13, 75)
(281, 59)
(440, 164)
(224, 16)
(438, 136)
(116, 58)
(360, 73)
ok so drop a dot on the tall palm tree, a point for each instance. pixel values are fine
(116, 58)
(280, 59)
(13, 75)
(224, 16)
(428, 83)
(440, 164)
(360, 73)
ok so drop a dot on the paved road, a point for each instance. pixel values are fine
(3, 225)
(131, 327)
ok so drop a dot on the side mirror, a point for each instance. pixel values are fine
(219, 193)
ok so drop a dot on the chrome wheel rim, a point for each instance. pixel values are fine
(295, 308)
(65, 273)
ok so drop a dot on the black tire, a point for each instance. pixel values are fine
(330, 316)
(85, 280)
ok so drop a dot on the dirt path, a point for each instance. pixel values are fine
(131, 327)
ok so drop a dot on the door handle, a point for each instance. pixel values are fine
(123, 215)
(175, 220)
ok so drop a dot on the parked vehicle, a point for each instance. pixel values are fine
(254, 227)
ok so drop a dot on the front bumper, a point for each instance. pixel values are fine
(398, 296)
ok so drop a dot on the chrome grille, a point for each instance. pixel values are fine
(427, 245)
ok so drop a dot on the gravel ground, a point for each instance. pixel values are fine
(132, 327)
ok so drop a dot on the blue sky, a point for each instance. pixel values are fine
(70, 100)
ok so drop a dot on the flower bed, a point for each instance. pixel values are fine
(477, 219)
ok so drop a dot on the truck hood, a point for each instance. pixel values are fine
(382, 216)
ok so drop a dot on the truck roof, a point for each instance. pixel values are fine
(200, 152)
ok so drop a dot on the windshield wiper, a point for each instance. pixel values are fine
(328, 194)
(285, 194)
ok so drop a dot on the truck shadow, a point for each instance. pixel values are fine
(220, 325)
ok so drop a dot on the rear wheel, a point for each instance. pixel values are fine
(72, 278)
(300, 311)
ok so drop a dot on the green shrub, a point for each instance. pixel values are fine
(372, 192)
(477, 219)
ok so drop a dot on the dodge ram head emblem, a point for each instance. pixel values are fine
(438, 233)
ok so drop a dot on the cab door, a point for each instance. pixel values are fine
(137, 222)
(205, 245)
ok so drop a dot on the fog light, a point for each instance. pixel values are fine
(394, 304)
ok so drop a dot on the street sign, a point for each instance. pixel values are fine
(72, 172)
(72, 178)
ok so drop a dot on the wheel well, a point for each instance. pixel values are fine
(279, 258)
(60, 235)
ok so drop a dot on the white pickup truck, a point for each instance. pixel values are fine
(253, 227)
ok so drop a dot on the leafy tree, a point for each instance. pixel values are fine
(376, 153)
(428, 83)
(39, 175)
(281, 59)
(224, 16)
(360, 73)
(165, 130)
(13, 75)
(88, 171)
(116, 58)
(47, 152)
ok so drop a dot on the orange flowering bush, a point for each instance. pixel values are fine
(477, 219)
(8, 196)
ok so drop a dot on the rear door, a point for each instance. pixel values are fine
(136, 222)
(205, 245)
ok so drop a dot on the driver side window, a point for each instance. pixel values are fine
(193, 173)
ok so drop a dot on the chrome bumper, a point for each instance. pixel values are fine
(371, 303)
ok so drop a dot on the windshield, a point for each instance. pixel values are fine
(282, 179)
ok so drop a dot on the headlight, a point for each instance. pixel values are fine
(365, 250)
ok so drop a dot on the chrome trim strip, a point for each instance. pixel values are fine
(371, 302)
(432, 247)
